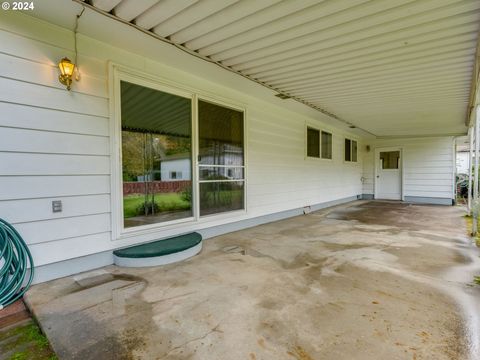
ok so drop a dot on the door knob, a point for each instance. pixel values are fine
(378, 176)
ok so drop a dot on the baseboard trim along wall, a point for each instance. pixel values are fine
(428, 200)
(367, 197)
(94, 261)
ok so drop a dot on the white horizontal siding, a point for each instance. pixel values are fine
(427, 166)
(368, 170)
(35, 141)
(33, 187)
(52, 164)
(36, 232)
(279, 175)
(28, 117)
(54, 251)
(55, 144)
(31, 210)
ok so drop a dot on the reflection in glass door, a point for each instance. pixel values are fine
(156, 155)
(221, 158)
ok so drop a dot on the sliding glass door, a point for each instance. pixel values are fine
(221, 158)
(157, 184)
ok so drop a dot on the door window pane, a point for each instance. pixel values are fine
(221, 173)
(217, 197)
(390, 159)
(156, 155)
(221, 159)
(326, 145)
(313, 143)
(220, 135)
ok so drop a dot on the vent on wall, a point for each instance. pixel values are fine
(283, 96)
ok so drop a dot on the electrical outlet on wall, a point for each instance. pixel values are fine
(56, 206)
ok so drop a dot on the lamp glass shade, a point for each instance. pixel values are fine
(66, 67)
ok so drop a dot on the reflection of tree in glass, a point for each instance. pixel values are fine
(142, 154)
(132, 155)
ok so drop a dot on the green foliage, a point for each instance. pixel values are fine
(133, 205)
(19, 356)
(148, 208)
(186, 195)
(133, 145)
(33, 344)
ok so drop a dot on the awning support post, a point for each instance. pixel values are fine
(475, 174)
(470, 169)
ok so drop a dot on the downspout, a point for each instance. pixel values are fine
(477, 143)
(470, 169)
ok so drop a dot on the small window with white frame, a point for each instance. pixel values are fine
(326, 145)
(313, 142)
(319, 143)
(350, 150)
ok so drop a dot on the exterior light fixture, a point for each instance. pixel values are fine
(66, 72)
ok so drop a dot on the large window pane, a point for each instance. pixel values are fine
(313, 142)
(217, 197)
(326, 145)
(348, 150)
(221, 158)
(156, 156)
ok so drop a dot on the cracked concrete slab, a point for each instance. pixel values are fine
(366, 280)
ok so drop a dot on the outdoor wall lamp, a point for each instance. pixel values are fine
(66, 72)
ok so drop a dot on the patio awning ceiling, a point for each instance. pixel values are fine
(391, 67)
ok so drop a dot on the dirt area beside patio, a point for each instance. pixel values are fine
(366, 280)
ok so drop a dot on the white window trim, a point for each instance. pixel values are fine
(242, 109)
(320, 130)
(331, 133)
(306, 142)
(119, 72)
(350, 161)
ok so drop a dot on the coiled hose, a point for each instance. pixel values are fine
(15, 258)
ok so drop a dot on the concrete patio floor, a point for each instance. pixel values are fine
(365, 280)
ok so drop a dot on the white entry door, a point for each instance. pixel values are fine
(388, 173)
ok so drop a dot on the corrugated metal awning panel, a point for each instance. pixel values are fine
(148, 110)
(374, 63)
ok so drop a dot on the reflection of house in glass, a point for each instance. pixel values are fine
(176, 167)
(222, 155)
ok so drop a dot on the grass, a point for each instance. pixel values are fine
(165, 202)
(33, 344)
(469, 220)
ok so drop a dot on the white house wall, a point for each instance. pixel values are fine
(182, 165)
(428, 168)
(463, 162)
(55, 144)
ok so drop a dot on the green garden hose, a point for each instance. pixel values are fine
(15, 260)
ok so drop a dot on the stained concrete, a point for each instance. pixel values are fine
(367, 280)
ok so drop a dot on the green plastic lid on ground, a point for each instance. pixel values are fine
(161, 247)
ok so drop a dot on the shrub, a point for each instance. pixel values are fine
(147, 208)
(186, 195)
